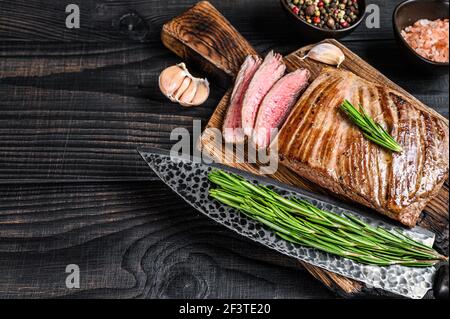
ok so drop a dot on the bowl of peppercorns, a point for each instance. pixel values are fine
(321, 19)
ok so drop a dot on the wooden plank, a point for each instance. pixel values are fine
(132, 240)
(44, 20)
(34, 60)
(80, 111)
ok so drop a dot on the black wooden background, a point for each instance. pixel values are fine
(75, 105)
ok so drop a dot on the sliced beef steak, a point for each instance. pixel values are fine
(270, 71)
(232, 126)
(321, 144)
(277, 104)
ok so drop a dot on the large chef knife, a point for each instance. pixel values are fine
(188, 177)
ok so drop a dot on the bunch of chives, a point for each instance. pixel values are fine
(300, 222)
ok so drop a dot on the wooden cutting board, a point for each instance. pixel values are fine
(204, 37)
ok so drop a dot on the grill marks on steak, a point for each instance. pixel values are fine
(425, 140)
(270, 71)
(320, 143)
(232, 126)
(277, 104)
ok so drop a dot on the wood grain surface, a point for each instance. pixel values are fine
(75, 105)
(131, 240)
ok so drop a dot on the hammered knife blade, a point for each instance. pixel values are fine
(189, 179)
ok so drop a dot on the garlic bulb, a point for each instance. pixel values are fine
(170, 80)
(180, 86)
(326, 53)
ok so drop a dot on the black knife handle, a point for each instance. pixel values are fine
(440, 286)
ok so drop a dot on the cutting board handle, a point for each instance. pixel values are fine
(203, 36)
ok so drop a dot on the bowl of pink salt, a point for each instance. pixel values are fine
(422, 30)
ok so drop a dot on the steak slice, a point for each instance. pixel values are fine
(319, 143)
(270, 71)
(232, 125)
(277, 104)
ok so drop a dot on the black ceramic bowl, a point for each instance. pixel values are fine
(406, 14)
(313, 33)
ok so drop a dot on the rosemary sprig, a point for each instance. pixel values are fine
(302, 223)
(371, 130)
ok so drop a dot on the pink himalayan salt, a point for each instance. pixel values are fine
(429, 39)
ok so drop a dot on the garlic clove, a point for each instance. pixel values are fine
(189, 94)
(202, 93)
(171, 79)
(326, 53)
(183, 87)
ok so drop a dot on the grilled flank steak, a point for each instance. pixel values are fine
(321, 144)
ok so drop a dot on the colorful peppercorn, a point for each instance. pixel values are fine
(310, 10)
(327, 14)
(331, 23)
